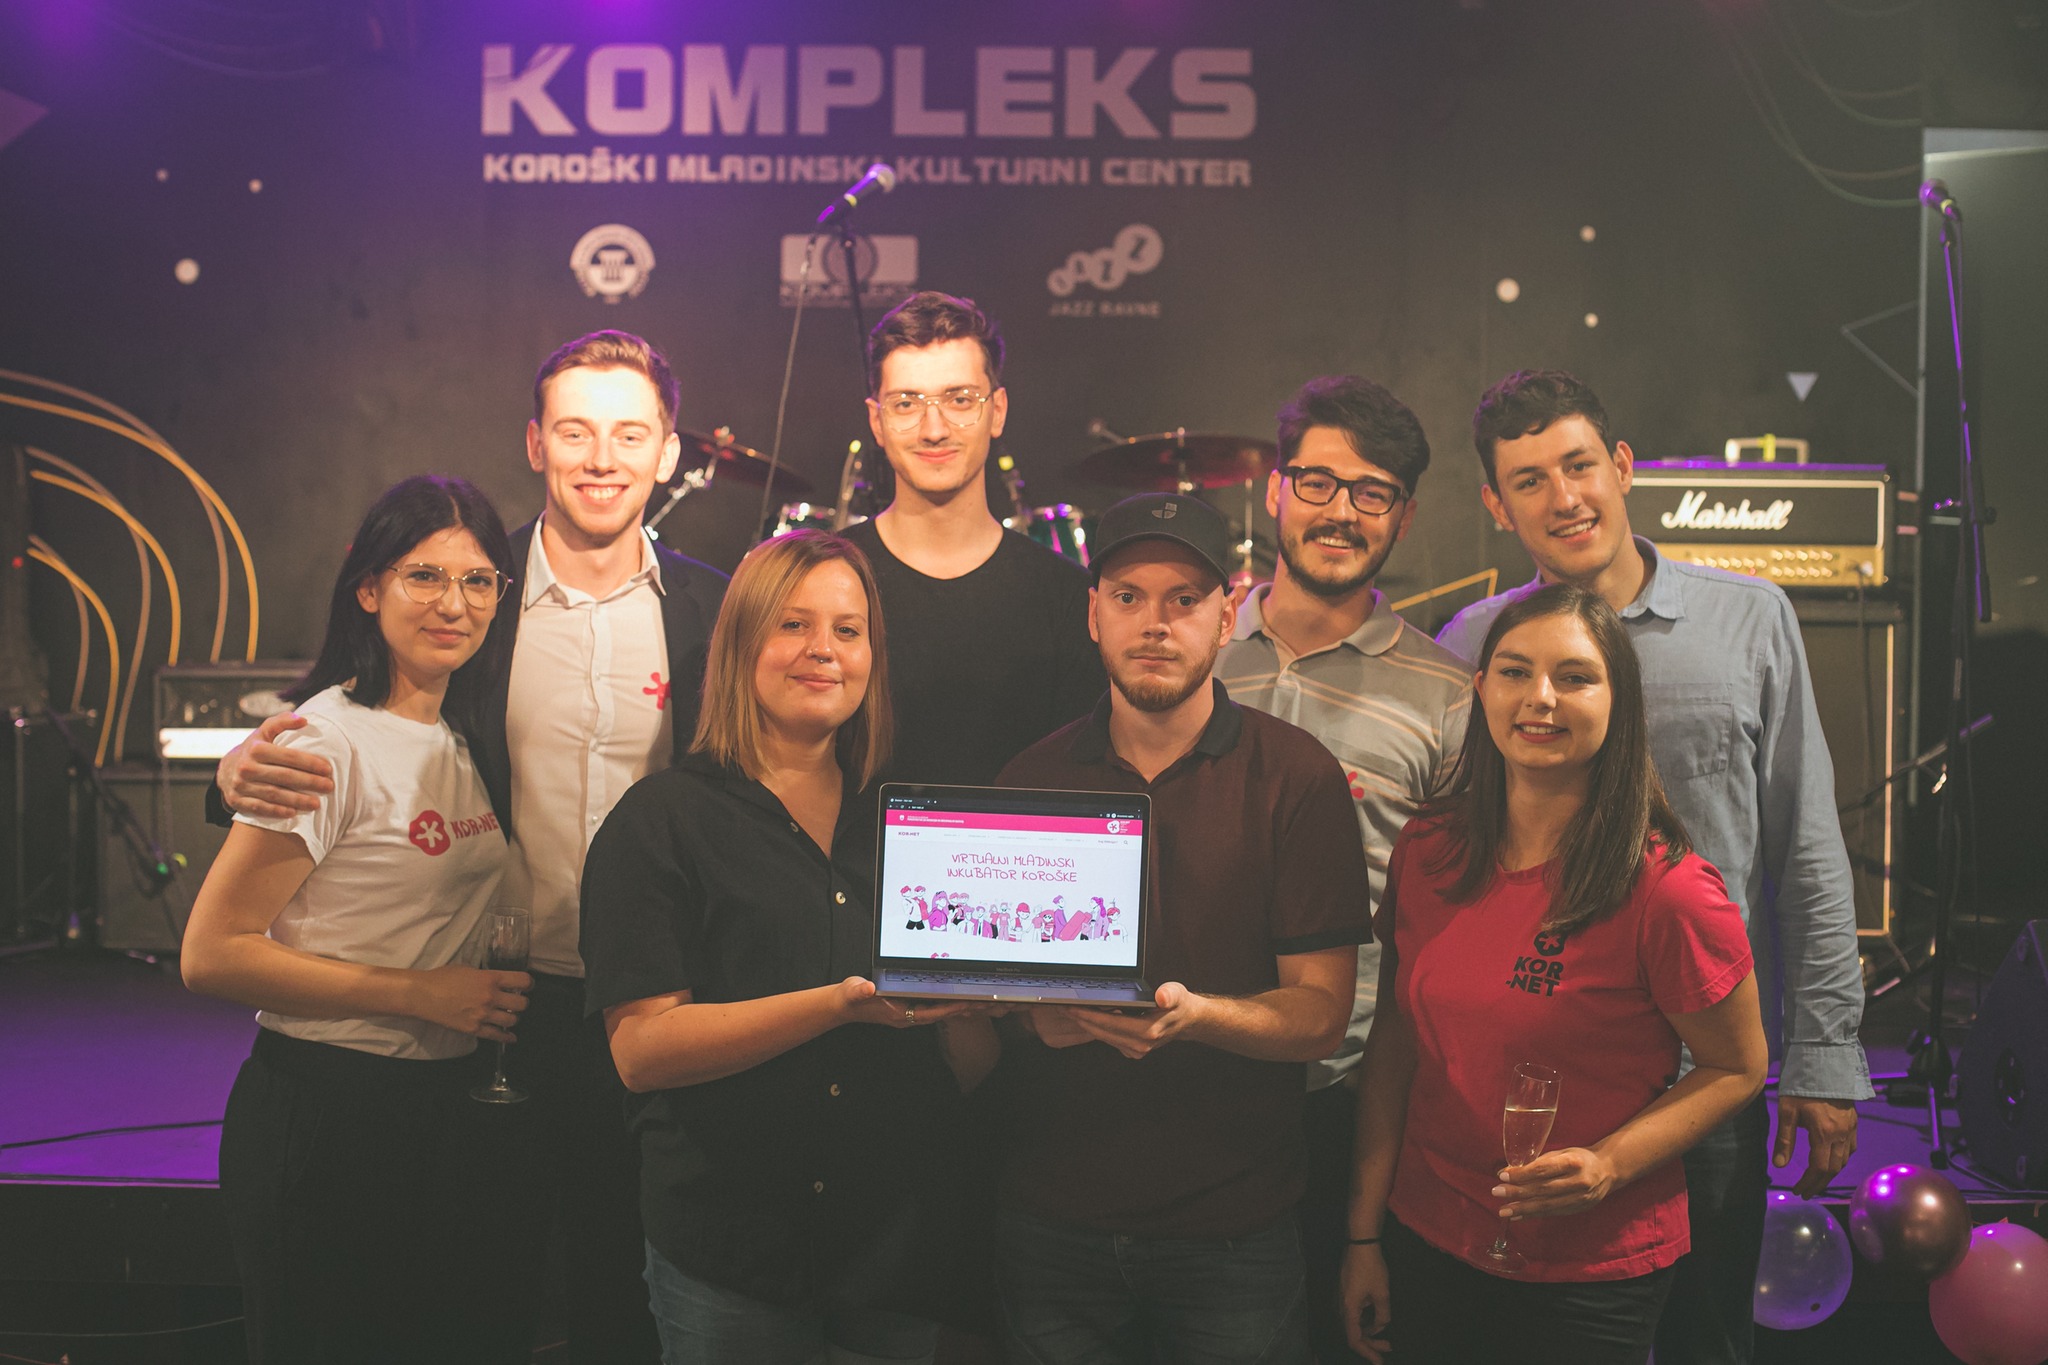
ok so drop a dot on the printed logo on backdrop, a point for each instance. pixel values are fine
(663, 110)
(1137, 250)
(612, 262)
(885, 263)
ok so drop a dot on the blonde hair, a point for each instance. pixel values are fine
(729, 721)
(612, 350)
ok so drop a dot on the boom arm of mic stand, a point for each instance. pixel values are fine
(1913, 765)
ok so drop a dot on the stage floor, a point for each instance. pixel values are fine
(92, 1042)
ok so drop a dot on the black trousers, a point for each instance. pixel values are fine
(1446, 1312)
(369, 1201)
(1330, 1127)
(1708, 1320)
(585, 1169)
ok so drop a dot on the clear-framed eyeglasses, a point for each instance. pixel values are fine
(904, 411)
(1318, 487)
(427, 584)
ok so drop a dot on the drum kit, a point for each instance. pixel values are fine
(1178, 461)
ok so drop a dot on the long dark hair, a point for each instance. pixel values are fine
(406, 514)
(1607, 843)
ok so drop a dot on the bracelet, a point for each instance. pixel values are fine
(1365, 1241)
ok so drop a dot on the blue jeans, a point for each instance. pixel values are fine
(703, 1324)
(1073, 1296)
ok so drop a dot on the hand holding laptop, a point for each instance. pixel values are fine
(860, 1004)
(1136, 1036)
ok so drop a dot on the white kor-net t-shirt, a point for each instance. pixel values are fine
(406, 855)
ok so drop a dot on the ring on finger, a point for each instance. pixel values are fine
(910, 1013)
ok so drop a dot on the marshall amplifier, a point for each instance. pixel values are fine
(1805, 526)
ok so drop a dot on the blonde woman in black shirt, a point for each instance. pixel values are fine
(726, 930)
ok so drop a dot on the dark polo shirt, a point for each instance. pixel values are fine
(817, 1177)
(1257, 858)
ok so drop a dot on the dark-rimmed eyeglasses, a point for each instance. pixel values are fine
(905, 411)
(1318, 487)
(427, 584)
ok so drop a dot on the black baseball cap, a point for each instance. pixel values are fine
(1178, 517)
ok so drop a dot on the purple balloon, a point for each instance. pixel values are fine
(1806, 1266)
(1908, 1215)
(1993, 1308)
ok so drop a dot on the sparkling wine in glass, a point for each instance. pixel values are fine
(507, 937)
(1525, 1126)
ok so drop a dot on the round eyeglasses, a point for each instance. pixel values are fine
(1318, 487)
(427, 584)
(905, 411)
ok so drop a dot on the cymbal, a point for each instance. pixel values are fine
(721, 457)
(1171, 460)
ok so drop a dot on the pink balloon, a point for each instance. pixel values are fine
(1993, 1308)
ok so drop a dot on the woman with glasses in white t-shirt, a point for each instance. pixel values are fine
(364, 1189)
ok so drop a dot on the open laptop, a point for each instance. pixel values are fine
(994, 893)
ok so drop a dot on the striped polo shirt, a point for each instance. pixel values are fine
(1391, 704)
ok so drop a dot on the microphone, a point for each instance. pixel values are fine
(1099, 429)
(880, 179)
(1935, 195)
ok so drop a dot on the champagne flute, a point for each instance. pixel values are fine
(1525, 1126)
(507, 936)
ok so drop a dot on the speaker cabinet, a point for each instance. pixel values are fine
(171, 804)
(2002, 1080)
(1853, 654)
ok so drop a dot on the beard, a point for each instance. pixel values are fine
(1325, 580)
(1153, 693)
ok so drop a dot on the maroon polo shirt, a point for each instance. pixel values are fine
(1257, 857)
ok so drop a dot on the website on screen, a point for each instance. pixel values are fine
(1049, 890)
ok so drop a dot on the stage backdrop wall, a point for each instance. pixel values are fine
(1178, 211)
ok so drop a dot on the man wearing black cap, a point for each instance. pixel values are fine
(1154, 1161)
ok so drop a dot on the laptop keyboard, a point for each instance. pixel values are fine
(953, 978)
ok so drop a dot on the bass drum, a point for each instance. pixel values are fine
(1059, 528)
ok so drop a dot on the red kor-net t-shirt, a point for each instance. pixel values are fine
(1486, 988)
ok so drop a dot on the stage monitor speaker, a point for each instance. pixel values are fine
(2002, 1080)
(1855, 656)
(171, 804)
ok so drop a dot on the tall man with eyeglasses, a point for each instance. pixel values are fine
(1319, 647)
(607, 649)
(987, 630)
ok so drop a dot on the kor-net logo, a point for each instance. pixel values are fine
(433, 836)
(429, 833)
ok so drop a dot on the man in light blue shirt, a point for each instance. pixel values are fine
(1739, 747)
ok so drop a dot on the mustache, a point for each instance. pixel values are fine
(1331, 528)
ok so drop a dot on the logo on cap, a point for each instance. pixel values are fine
(1165, 511)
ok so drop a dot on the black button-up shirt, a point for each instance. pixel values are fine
(815, 1176)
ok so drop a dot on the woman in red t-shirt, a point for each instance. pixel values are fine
(1548, 909)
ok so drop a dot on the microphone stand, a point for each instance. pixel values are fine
(1969, 604)
(851, 482)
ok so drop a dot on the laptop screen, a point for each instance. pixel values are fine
(1042, 879)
